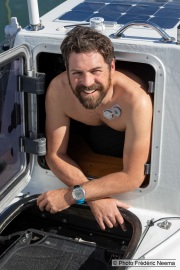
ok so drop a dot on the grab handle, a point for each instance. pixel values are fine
(164, 35)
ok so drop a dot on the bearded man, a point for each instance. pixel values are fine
(93, 92)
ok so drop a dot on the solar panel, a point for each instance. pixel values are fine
(165, 13)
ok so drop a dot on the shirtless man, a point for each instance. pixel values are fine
(87, 91)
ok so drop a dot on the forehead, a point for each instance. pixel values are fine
(85, 60)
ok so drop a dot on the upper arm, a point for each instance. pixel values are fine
(138, 138)
(57, 122)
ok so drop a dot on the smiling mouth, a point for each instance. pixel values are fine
(89, 91)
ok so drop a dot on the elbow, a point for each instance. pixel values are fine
(138, 181)
(53, 158)
(49, 159)
(135, 180)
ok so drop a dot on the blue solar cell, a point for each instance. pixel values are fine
(168, 13)
(76, 16)
(114, 8)
(107, 17)
(129, 18)
(98, 1)
(154, 2)
(89, 7)
(143, 10)
(123, 2)
(176, 1)
(173, 5)
(164, 22)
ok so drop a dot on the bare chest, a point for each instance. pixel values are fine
(112, 118)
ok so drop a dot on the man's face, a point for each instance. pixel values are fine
(89, 77)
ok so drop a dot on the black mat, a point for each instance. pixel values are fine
(34, 251)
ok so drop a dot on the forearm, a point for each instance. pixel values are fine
(110, 185)
(66, 169)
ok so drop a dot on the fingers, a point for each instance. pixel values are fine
(48, 207)
(53, 201)
(41, 202)
(120, 221)
(107, 222)
(52, 211)
(44, 204)
(108, 215)
(101, 224)
(111, 222)
(123, 227)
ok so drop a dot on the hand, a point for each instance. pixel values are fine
(106, 212)
(54, 200)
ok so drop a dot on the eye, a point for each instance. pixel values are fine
(77, 73)
(96, 71)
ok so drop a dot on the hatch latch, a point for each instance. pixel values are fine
(151, 87)
(33, 85)
(33, 146)
(147, 168)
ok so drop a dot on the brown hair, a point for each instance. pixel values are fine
(85, 39)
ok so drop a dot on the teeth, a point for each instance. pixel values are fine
(89, 91)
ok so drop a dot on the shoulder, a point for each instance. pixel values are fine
(58, 82)
(129, 81)
(133, 92)
(132, 88)
(59, 88)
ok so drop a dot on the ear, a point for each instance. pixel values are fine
(112, 66)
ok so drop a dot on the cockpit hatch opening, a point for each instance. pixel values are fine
(94, 155)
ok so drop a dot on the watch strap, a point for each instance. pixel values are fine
(81, 201)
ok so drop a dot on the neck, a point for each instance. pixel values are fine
(108, 99)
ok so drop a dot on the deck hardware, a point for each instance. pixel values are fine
(10, 32)
(165, 225)
(97, 23)
(165, 36)
(24, 195)
(33, 146)
(107, 23)
(33, 85)
(33, 10)
(35, 27)
(76, 24)
(147, 168)
(178, 34)
(26, 239)
(151, 87)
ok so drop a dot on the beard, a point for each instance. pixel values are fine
(91, 101)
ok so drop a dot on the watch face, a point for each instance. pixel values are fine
(78, 193)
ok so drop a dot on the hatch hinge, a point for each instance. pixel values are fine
(147, 168)
(33, 85)
(151, 87)
(33, 146)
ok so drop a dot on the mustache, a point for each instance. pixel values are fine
(95, 86)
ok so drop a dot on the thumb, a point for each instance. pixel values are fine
(122, 204)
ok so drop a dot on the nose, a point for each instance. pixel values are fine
(87, 79)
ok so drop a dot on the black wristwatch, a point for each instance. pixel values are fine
(78, 194)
